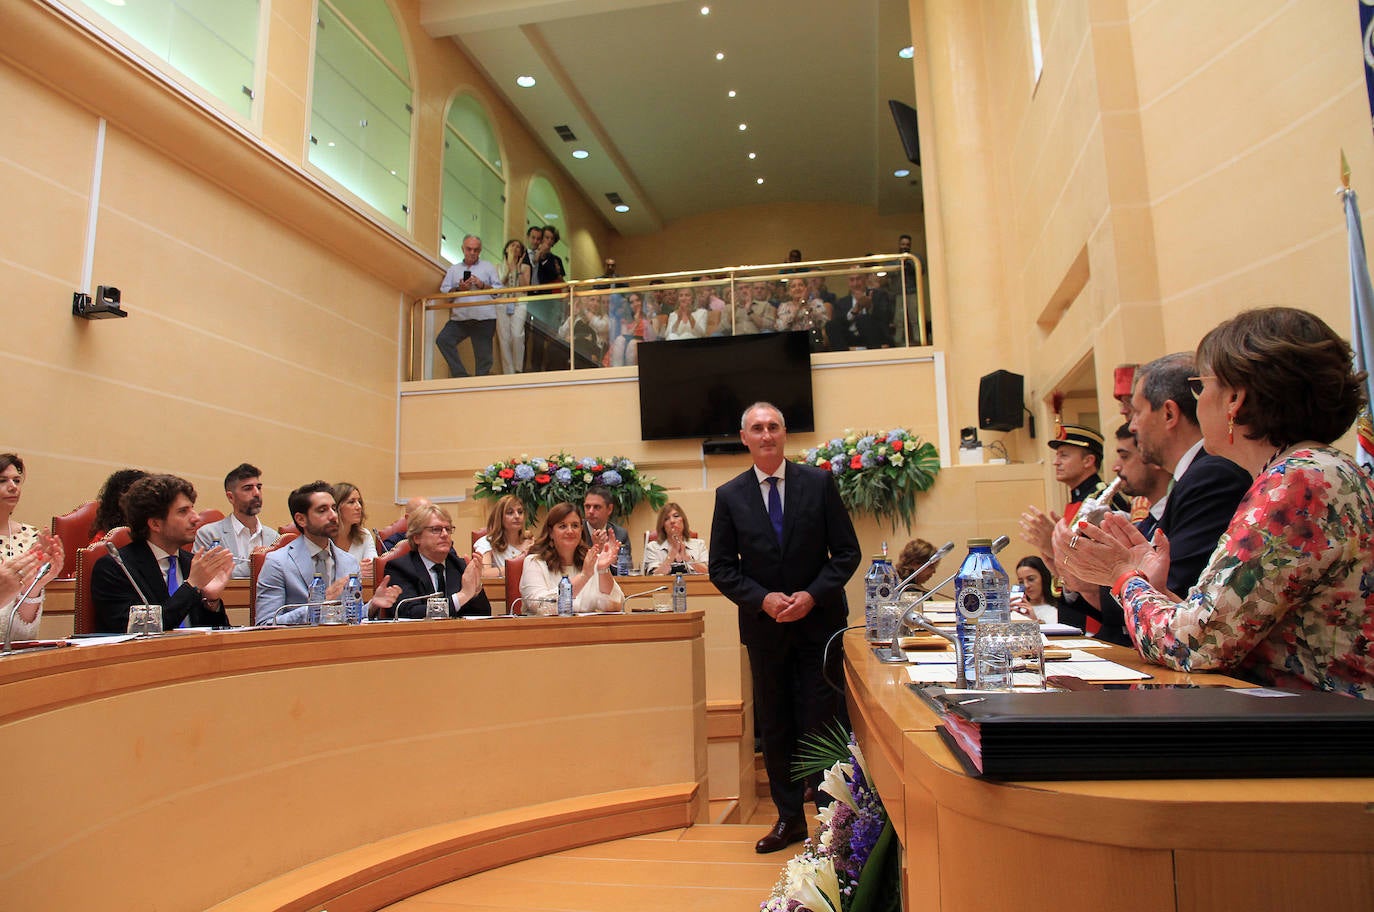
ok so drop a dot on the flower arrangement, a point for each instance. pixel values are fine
(543, 482)
(849, 866)
(879, 473)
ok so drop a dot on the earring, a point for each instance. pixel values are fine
(1230, 428)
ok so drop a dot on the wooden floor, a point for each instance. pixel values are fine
(707, 868)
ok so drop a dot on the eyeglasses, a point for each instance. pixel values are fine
(1195, 384)
(439, 530)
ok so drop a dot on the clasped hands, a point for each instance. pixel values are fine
(1100, 555)
(603, 552)
(783, 607)
(18, 572)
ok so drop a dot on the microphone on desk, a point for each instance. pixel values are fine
(9, 627)
(272, 621)
(111, 550)
(640, 595)
(396, 608)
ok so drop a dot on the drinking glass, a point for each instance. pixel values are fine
(889, 618)
(145, 620)
(332, 613)
(663, 602)
(1007, 653)
(436, 608)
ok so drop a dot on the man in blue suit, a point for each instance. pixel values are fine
(782, 549)
(287, 572)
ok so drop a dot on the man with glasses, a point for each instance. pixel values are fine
(432, 568)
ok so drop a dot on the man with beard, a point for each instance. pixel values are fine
(240, 531)
(287, 572)
(161, 510)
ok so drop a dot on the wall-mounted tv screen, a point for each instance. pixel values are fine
(699, 387)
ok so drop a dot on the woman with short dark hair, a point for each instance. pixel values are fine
(1288, 597)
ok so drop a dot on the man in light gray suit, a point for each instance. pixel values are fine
(287, 572)
(240, 531)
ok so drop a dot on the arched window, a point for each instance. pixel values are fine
(474, 184)
(360, 106)
(543, 207)
(214, 43)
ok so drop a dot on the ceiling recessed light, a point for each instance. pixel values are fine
(901, 172)
(331, 145)
(720, 55)
(706, 11)
(524, 82)
(753, 155)
(580, 153)
(731, 93)
(759, 181)
(907, 52)
(622, 208)
(744, 126)
(393, 173)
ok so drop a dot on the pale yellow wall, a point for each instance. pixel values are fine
(764, 234)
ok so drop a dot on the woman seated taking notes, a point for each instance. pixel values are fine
(559, 551)
(675, 550)
(1288, 597)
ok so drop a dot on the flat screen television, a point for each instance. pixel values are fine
(699, 387)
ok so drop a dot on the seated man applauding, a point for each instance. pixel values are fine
(287, 572)
(432, 568)
(161, 510)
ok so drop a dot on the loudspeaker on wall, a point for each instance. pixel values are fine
(1001, 395)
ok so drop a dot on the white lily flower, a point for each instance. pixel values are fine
(836, 784)
(859, 759)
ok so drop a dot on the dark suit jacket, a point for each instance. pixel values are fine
(112, 594)
(1196, 514)
(408, 571)
(622, 535)
(819, 552)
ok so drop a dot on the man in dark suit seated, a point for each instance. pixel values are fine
(161, 510)
(782, 549)
(597, 510)
(432, 568)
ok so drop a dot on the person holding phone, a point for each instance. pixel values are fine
(465, 321)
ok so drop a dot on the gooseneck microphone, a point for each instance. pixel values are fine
(913, 617)
(628, 598)
(111, 550)
(9, 627)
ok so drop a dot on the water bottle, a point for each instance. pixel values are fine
(622, 561)
(565, 600)
(315, 598)
(353, 600)
(679, 594)
(878, 585)
(981, 594)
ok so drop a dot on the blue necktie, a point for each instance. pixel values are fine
(172, 583)
(775, 507)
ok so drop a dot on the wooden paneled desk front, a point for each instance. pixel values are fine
(1168, 845)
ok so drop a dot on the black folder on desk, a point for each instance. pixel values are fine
(1208, 732)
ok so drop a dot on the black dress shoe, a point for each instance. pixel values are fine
(783, 834)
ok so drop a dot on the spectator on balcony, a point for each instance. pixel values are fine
(510, 318)
(475, 323)
(800, 313)
(744, 302)
(634, 329)
(686, 321)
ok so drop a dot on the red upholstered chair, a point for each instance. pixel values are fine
(255, 562)
(396, 528)
(206, 516)
(379, 564)
(83, 614)
(119, 536)
(477, 535)
(74, 531)
(514, 570)
(286, 529)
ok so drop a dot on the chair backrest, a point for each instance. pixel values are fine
(255, 562)
(477, 535)
(83, 613)
(287, 529)
(652, 536)
(380, 562)
(514, 570)
(206, 516)
(74, 531)
(119, 536)
(396, 528)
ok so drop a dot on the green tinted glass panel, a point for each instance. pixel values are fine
(374, 20)
(474, 192)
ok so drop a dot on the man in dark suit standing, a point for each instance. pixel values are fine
(782, 549)
(431, 567)
(161, 510)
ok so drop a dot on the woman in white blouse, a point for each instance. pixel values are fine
(508, 536)
(354, 537)
(685, 322)
(675, 551)
(23, 550)
(560, 551)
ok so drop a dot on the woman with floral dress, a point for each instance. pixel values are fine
(1288, 597)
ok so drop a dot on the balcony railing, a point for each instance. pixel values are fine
(594, 323)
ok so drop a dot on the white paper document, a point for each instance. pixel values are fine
(1095, 670)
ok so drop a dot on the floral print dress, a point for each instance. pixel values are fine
(1288, 597)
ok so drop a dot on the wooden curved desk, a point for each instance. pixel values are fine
(289, 768)
(1124, 845)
